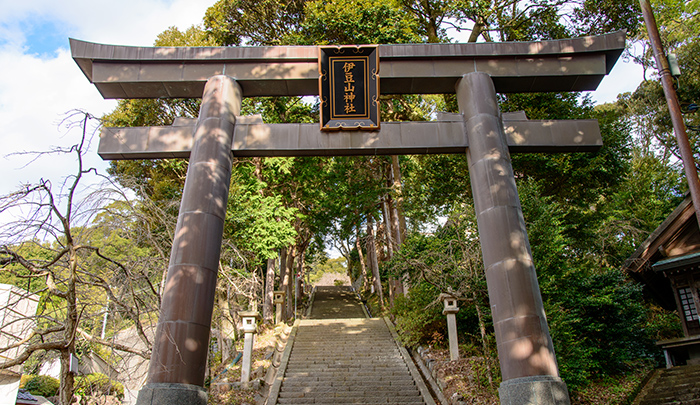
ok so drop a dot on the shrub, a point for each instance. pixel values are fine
(97, 384)
(418, 322)
(23, 380)
(42, 385)
(598, 326)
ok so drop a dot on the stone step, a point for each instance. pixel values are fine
(350, 360)
(350, 401)
(673, 400)
(374, 366)
(349, 378)
(347, 394)
(677, 386)
(340, 349)
(343, 385)
(345, 361)
(365, 369)
(340, 376)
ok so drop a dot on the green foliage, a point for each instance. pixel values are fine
(435, 185)
(662, 324)
(546, 228)
(598, 319)
(448, 260)
(324, 265)
(275, 110)
(254, 22)
(193, 36)
(98, 384)
(678, 23)
(597, 325)
(42, 385)
(578, 177)
(17, 275)
(260, 224)
(603, 16)
(419, 318)
(349, 22)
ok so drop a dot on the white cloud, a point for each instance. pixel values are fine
(37, 90)
(35, 94)
(126, 22)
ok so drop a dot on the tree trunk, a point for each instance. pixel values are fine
(289, 280)
(299, 293)
(227, 329)
(66, 386)
(268, 310)
(476, 31)
(283, 267)
(482, 330)
(432, 31)
(387, 224)
(284, 278)
(389, 240)
(400, 218)
(372, 256)
(362, 259)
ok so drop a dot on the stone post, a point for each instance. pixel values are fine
(250, 328)
(179, 358)
(525, 350)
(279, 305)
(450, 312)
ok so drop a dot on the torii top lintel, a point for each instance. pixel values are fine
(577, 64)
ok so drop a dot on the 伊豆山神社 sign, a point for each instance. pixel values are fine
(349, 87)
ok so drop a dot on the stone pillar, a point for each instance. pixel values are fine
(450, 311)
(525, 350)
(250, 327)
(279, 305)
(179, 357)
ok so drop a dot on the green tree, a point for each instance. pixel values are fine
(355, 22)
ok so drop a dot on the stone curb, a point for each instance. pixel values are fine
(277, 385)
(311, 303)
(417, 378)
(364, 306)
(427, 375)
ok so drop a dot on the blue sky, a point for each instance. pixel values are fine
(44, 36)
(39, 82)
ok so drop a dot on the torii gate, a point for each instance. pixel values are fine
(222, 76)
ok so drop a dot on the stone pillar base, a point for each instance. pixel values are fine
(171, 394)
(538, 390)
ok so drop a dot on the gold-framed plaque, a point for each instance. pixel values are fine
(349, 87)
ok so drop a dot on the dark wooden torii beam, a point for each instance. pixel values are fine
(252, 137)
(172, 72)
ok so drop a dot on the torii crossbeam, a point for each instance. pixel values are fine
(223, 76)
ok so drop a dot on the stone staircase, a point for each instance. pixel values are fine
(346, 361)
(674, 386)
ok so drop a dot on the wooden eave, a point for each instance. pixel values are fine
(639, 264)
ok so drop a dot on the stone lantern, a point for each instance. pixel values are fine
(279, 305)
(450, 310)
(249, 320)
